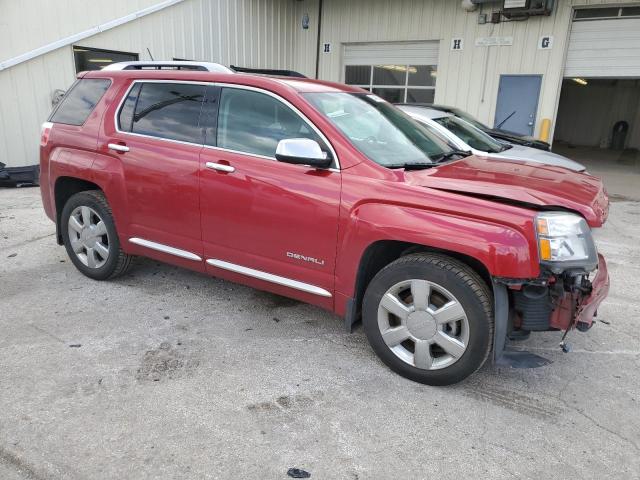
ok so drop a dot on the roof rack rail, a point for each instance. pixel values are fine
(169, 65)
(268, 71)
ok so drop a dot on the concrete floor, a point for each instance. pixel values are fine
(170, 374)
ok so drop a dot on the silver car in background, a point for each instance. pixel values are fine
(464, 136)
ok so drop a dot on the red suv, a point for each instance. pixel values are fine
(328, 194)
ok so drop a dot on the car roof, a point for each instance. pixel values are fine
(423, 110)
(269, 82)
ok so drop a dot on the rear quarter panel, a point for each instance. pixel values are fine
(70, 152)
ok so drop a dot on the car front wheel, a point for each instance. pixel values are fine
(429, 318)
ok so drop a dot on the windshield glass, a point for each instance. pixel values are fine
(379, 130)
(470, 135)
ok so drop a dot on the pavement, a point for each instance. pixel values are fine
(170, 374)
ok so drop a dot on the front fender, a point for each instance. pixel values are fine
(506, 250)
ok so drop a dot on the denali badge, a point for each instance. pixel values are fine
(297, 256)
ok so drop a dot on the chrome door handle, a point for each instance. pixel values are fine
(220, 167)
(117, 147)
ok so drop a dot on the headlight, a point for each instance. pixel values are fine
(564, 240)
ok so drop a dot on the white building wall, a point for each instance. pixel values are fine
(467, 79)
(29, 24)
(251, 33)
(269, 33)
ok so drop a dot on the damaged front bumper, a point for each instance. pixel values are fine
(588, 306)
(578, 308)
(557, 303)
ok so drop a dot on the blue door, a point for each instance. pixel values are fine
(518, 103)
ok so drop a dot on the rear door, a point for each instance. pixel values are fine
(266, 223)
(156, 137)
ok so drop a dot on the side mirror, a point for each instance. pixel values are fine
(302, 151)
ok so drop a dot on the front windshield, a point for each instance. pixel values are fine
(379, 130)
(470, 135)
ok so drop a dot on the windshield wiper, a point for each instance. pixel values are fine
(411, 166)
(448, 155)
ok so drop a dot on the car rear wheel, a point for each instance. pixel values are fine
(429, 318)
(90, 236)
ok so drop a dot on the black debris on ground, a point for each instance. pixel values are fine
(298, 473)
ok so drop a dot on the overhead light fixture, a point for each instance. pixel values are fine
(398, 68)
(580, 81)
(101, 60)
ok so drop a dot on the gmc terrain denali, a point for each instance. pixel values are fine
(328, 194)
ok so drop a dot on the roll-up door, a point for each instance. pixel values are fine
(396, 71)
(604, 47)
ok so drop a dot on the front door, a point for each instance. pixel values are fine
(518, 103)
(266, 223)
(157, 139)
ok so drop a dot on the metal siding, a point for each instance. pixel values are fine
(461, 78)
(238, 32)
(267, 33)
(49, 21)
(604, 48)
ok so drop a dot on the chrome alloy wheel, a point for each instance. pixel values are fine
(88, 237)
(423, 324)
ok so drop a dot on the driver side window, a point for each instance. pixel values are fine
(254, 122)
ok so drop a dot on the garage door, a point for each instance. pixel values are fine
(396, 71)
(604, 42)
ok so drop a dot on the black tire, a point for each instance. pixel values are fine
(117, 262)
(460, 280)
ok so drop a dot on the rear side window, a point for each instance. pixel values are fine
(164, 110)
(79, 102)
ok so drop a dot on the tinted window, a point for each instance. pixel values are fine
(415, 95)
(80, 100)
(254, 122)
(125, 119)
(597, 12)
(165, 110)
(357, 75)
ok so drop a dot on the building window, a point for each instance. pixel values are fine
(96, 59)
(606, 12)
(395, 83)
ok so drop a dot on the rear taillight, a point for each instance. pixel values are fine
(44, 133)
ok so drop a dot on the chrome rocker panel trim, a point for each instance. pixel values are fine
(269, 277)
(165, 249)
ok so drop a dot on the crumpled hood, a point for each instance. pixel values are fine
(526, 182)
